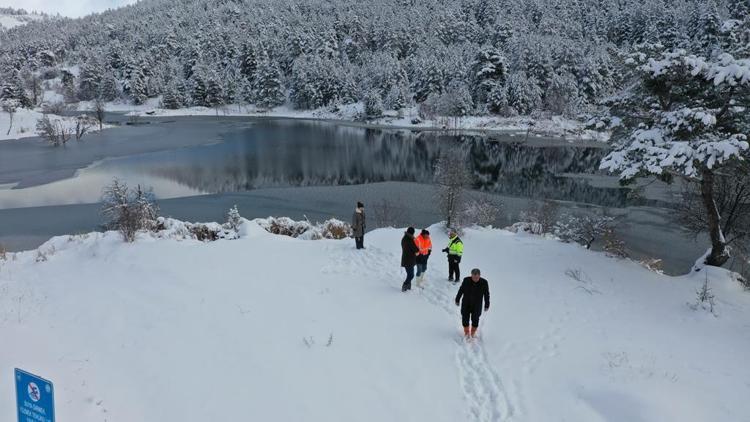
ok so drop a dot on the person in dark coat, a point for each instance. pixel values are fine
(474, 290)
(409, 252)
(358, 225)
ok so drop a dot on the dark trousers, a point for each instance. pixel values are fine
(471, 313)
(453, 268)
(409, 277)
(360, 242)
(421, 265)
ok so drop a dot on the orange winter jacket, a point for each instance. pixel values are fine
(424, 243)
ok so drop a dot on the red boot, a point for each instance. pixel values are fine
(473, 332)
(466, 332)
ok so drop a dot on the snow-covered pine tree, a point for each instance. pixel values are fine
(686, 118)
(487, 72)
(708, 29)
(397, 98)
(214, 94)
(109, 88)
(69, 90)
(523, 93)
(248, 61)
(90, 78)
(267, 87)
(12, 88)
(373, 104)
(135, 82)
(171, 98)
(198, 89)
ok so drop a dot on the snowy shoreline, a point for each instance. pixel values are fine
(333, 334)
(551, 127)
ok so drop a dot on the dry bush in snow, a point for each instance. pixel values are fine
(128, 210)
(481, 211)
(544, 213)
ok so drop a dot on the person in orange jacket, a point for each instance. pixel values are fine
(424, 243)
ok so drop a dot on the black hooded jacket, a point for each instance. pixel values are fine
(473, 293)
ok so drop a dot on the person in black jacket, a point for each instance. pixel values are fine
(358, 226)
(474, 290)
(409, 252)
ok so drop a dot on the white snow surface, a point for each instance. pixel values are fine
(24, 124)
(557, 126)
(273, 328)
(12, 21)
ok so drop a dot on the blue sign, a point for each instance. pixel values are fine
(34, 398)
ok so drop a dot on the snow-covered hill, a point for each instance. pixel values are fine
(273, 328)
(11, 20)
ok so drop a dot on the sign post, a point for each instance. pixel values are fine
(34, 398)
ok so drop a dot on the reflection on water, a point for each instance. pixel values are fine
(293, 153)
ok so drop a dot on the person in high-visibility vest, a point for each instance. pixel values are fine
(454, 250)
(424, 243)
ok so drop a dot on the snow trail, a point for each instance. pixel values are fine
(484, 392)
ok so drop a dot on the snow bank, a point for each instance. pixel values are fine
(24, 124)
(329, 229)
(556, 126)
(274, 328)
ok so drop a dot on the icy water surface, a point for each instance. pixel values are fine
(199, 166)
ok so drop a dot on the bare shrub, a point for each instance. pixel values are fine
(731, 190)
(653, 264)
(99, 111)
(54, 131)
(329, 229)
(452, 177)
(128, 211)
(584, 230)
(3, 253)
(704, 298)
(482, 211)
(83, 124)
(335, 229)
(544, 213)
(9, 106)
(614, 246)
(525, 227)
(585, 282)
(387, 214)
(57, 107)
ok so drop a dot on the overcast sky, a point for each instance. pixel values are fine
(72, 8)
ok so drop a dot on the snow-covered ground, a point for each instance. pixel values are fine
(556, 126)
(8, 21)
(268, 327)
(24, 123)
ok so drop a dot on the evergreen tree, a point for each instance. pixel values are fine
(108, 88)
(397, 98)
(268, 90)
(198, 90)
(373, 104)
(487, 71)
(171, 98)
(90, 79)
(523, 93)
(68, 87)
(684, 119)
(214, 94)
(12, 91)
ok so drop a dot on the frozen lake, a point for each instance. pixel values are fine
(199, 166)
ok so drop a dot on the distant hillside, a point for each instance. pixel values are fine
(11, 18)
(455, 58)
